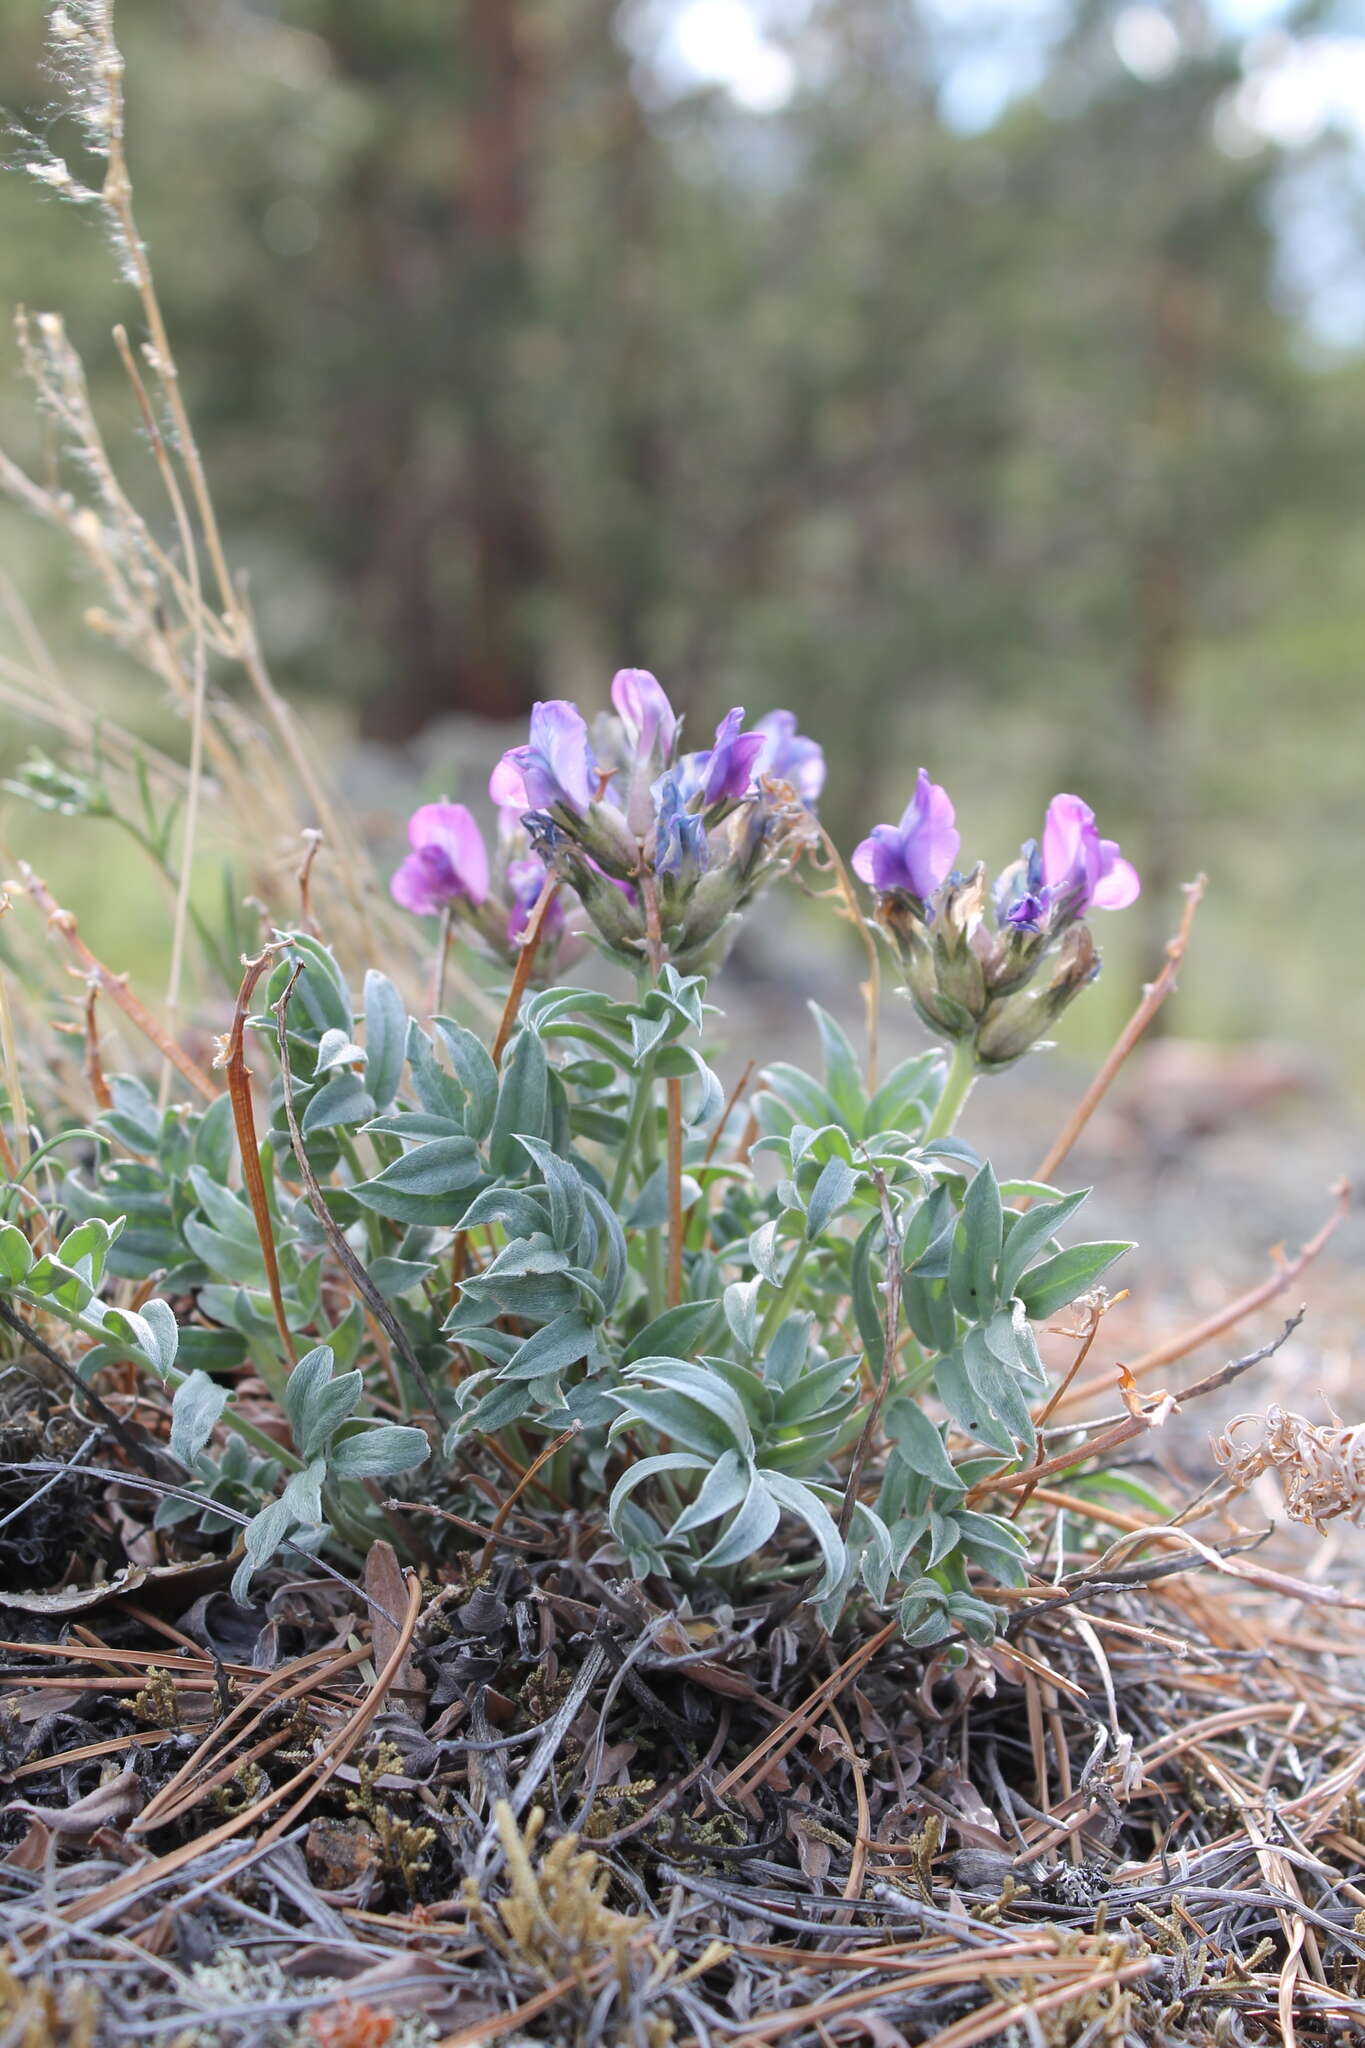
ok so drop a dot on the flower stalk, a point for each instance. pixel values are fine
(958, 1083)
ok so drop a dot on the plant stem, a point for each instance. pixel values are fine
(673, 1090)
(641, 1106)
(654, 1239)
(957, 1086)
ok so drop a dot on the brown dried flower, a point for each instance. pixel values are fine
(1321, 1468)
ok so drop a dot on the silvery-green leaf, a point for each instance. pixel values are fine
(965, 1405)
(754, 1522)
(215, 1137)
(813, 1390)
(326, 1410)
(560, 1344)
(87, 1246)
(477, 1075)
(163, 1345)
(699, 1383)
(134, 1118)
(928, 1244)
(923, 1625)
(980, 1620)
(901, 1102)
(564, 1191)
(704, 1097)
(830, 1194)
(378, 1452)
(649, 1210)
(723, 1488)
(684, 1421)
(337, 1049)
(438, 1168)
(16, 1255)
(801, 1501)
(787, 1353)
(321, 996)
(673, 1334)
(505, 1402)
(225, 1257)
(869, 1546)
(1028, 1234)
(976, 1246)
(1059, 1280)
(439, 1093)
(228, 1213)
(536, 1254)
(386, 1037)
(614, 1239)
(263, 1535)
(764, 1253)
(308, 1377)
(196, 1408)
(426, 1186)
(843, 1071)
(129, 1332)
(797, 1092)
(343, 1100)
(414, 1126)
(930, 1313)
(522, 1214)
(396, 1277)
(648, 1468)
(741, 1311)
(523, 1101)
(1000, 1387)
(1010, 1336)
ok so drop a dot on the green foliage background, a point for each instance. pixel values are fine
(996, 450)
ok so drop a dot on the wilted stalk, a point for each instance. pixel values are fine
(115, 986)
(232, 1059)
(526, 961)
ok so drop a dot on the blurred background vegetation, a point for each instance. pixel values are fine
(984, 381)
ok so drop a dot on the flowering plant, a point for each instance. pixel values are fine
(794, 1336)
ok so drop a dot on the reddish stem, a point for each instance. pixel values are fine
(232, 1059)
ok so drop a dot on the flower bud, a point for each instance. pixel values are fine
(957, 964)
(1014, 1024)
(680, 850)
(613, 906)
(648, 725)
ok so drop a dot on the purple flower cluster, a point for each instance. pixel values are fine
(449, 869)
(660, 846)
(995, 988)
